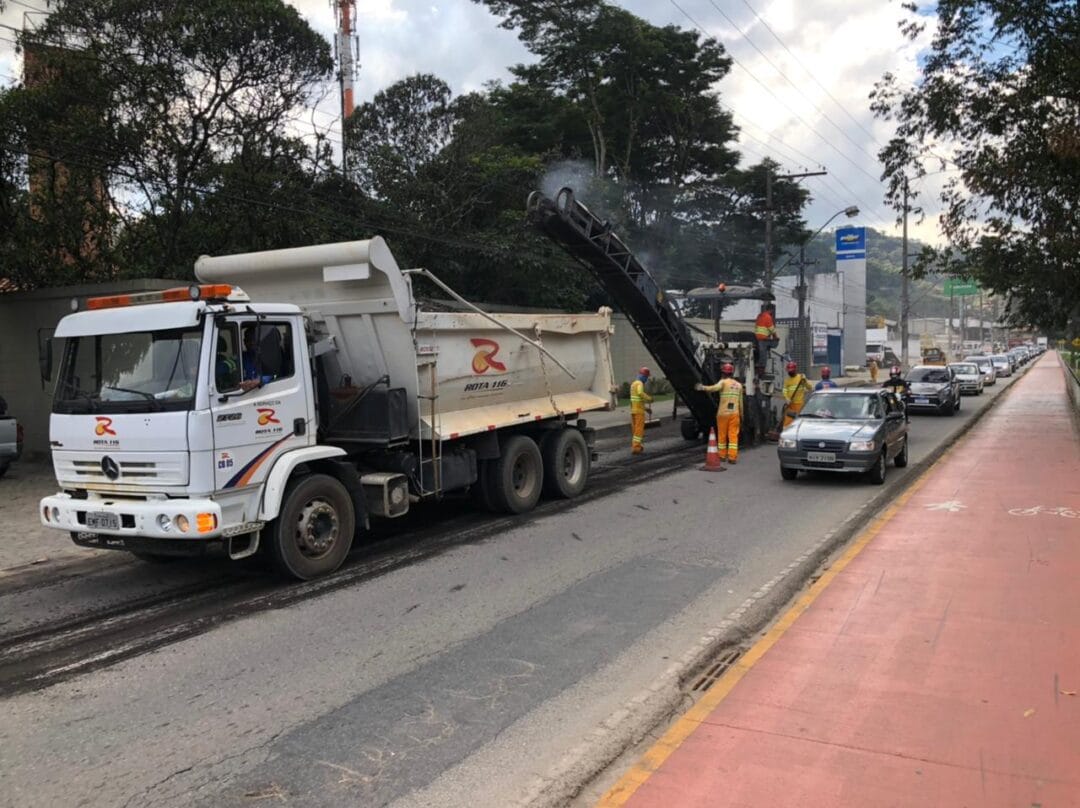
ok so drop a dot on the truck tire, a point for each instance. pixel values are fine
(314, 531)
(517, 477)
(4, 468)
(566, 463)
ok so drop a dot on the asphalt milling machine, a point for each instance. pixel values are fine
(684, 361)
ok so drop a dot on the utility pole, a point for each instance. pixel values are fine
(769, 215)
(345, 41)
(904, 303)
(807, 357)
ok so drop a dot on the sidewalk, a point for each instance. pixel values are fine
(936, 663)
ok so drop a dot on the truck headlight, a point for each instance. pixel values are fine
(164, 523)
(182, 523)
(787, 443)
(862, 446)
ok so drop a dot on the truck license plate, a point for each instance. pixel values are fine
(922, 401)
(100, 520)
(821, 457)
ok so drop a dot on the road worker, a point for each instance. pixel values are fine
(796, 388)
(873, 365)
(765, 337)
(639, 407)
(728, 414)
(826, 379)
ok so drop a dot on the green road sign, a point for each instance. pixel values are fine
(960, 288)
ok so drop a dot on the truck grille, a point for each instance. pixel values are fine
(80, 468)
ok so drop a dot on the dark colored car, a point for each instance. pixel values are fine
(933, 387)
(853, 430)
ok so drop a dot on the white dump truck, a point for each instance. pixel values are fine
(294, 395)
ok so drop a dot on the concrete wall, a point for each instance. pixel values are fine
(27, 321)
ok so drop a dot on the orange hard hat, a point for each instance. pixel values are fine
(644, 372)
(792, 366)
(727, 367)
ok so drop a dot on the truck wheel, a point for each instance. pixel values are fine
(517, 477)
(566, 463)
(3, 468)
(690, 429)
(314, 531)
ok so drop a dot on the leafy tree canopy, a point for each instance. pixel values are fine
(999, 97)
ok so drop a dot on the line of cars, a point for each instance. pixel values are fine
(862, 430)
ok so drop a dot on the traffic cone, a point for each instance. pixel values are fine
(712, 455)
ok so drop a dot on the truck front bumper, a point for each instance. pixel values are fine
(152, 518)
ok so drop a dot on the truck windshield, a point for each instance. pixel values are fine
(143, 371)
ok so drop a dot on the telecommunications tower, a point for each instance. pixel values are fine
(346, 51)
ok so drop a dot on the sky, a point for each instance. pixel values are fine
(798, 89)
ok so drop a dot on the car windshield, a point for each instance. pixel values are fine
(969, 370)
(844, 405)
(929, 375)
(143, 371)
(1000, 360)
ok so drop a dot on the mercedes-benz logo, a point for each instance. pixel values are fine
(110, 468)
(821, 445)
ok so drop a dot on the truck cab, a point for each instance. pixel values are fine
(167, 417)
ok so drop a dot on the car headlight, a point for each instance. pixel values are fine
(787, 443)
(862, 445)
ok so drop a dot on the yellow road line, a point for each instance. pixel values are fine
(622, 791)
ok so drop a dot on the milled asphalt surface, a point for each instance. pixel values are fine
(450, 682)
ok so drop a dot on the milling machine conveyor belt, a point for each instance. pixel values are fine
(635, 292)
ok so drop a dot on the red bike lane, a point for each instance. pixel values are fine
(936, 662)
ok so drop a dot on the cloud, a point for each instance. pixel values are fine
(842, 45)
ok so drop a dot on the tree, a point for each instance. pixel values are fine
(1000, 94)
(172, 89)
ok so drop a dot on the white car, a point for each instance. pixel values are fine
(986, 367)
(969, 376)
(1002, 366)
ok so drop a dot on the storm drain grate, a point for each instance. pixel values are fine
(716, 670)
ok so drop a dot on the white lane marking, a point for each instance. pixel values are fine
(951, 505)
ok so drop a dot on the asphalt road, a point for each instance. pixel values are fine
(455, 666)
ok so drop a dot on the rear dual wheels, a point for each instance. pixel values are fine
(512, 483)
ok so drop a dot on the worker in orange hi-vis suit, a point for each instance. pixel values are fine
(796, 389)
(639, 406)
(728, 414)
(765, 337)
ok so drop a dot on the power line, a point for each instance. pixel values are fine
(813, 78)
(872, 208)
(783, 75)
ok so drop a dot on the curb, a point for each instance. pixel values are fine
(659, 702)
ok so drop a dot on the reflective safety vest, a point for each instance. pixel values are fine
(638, 397)
(731, 396)
(764, 328)
(795, 388)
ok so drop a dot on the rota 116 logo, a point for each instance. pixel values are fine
(267, 416)
(104, 427)
(484, 358)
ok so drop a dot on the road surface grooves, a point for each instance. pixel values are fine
(53, 651)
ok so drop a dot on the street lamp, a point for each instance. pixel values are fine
(807, 349)
(850, 211)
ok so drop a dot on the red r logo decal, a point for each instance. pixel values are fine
(104, 427)
(484, 359)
